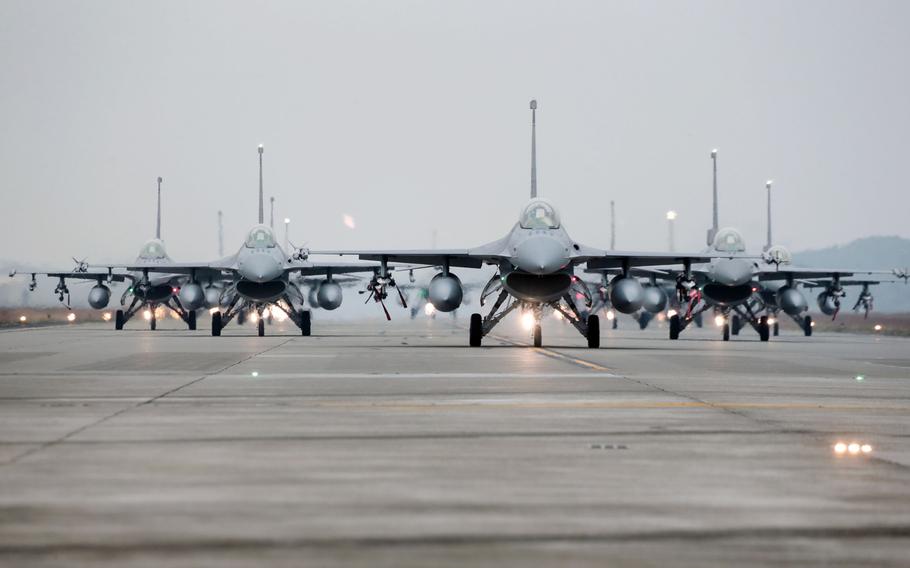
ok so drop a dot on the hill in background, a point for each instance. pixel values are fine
(870, 253)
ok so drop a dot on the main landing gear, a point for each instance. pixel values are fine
(302, 318)
(172, 304)
(480, 325)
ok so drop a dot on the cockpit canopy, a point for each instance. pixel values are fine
(778, 255)
(729, 240)
(260, 237)
(539, 214)
(154, 249)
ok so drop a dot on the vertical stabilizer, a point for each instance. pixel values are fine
(612, 225)
(770, 242)
(220, 234)
(272, 212)
(533, 149)
(158, 222)
(261, 212)
(712, 232)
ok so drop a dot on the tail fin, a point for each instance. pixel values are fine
(612, 226)
(770, 243)
(712, 232)
(261, 212)
(533, 149)
(220, 234)
(158, 222)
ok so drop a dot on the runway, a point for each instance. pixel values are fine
(393, 444)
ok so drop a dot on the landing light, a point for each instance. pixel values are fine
(254, 317)
(175, 290)
(147, 314)
(71, 317)
(772, 321)
(611, 315)
(527, 320)
(671, 313)
(214, 310)
(812, 324)
(719, 321)
(106, 316)
(557, 314)
(429, 309)
(878, 327)
(852, 448)
(23, 319)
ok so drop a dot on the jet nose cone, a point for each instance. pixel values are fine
(541, 255)
(732, 272)
(260, 268)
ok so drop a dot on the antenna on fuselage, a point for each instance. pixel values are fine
(220, 234)
(261, 212)
(770, 243)
(712, 232)
(158, 223)
(533, 148)
(612, 225)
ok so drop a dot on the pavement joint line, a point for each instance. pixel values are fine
(49, 444)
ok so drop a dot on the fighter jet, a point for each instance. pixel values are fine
(145, 296)
(536, 264)
(729, 285)
(259, 276)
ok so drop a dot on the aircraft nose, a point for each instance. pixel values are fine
(732, 272)
(541, 255)
(260, 268)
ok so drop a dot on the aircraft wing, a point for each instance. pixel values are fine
(799, 273)
(621, 259)
(86, 275)
(465, 258)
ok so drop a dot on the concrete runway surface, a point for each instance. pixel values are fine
(393, 444)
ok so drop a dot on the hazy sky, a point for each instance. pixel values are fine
(411, 116)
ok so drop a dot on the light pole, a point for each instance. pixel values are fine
(768, 187)
(671, 217)
(287, 239)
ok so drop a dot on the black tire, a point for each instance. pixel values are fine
(644, 318)
(475, 332)
(776, 329)
(261, 327)
(216, 324)
(270, 317)
(807, 326)
(153, 321)
(674, 327)
(615, 324)
(241, 317)
(764, 330)
(191, 323)
(736, 324)
(593, 332)
(727, 331)
(306, 323)
(699, 320)
(119, 320)
(538, 336)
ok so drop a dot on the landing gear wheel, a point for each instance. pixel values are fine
(475, 332)
(261, 327)
(699, 321)
(807, 326)
(538, 335)
(776, 329)
(674, 327)
(615, 323)
(191, 320)
(241, 317)
(644, 318)
(119, 320)
(736, 324)
(306, 323)
(764, 331)
(216, 324)
(726, 331)
(153, 322)
(593, 334)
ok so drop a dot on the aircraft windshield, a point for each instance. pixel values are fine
(729, 240)
(539, 215)
(260, 237)
(153, 249)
